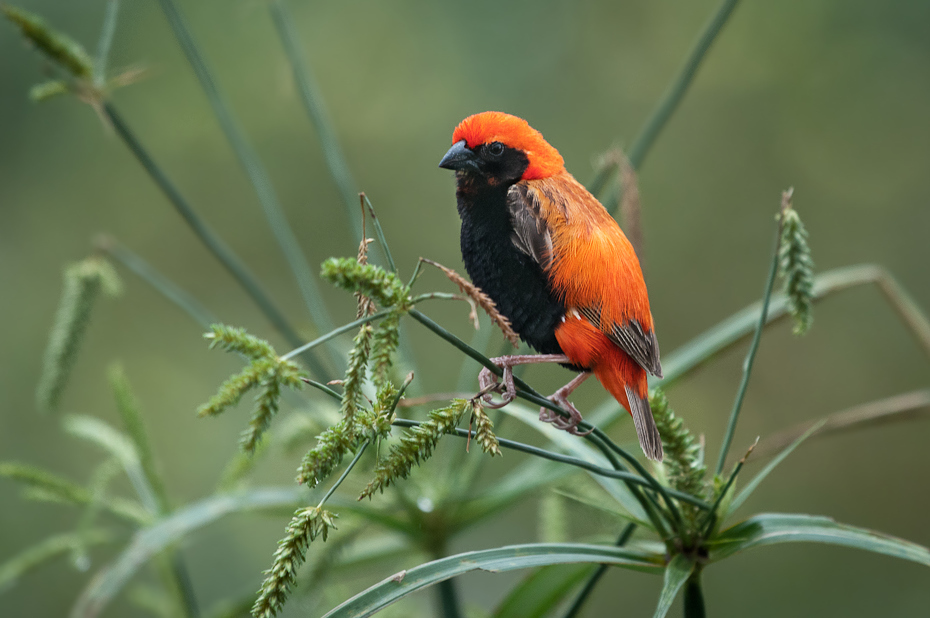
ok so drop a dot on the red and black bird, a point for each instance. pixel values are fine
(556, 264)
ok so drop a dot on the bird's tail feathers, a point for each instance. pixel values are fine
(646, 429)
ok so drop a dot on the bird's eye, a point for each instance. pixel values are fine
(496, 149)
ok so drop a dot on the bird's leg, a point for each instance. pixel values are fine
(488, 382)
(560, 397)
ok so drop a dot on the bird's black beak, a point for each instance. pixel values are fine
(459, 157)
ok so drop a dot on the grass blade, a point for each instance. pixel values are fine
(46, 550)
(104, 43)
(540, 593)
(151, 541)
(316, 110)
(259, 178)
(495, 560)
(742, 496)
(756, 338)
(903, 407)
(208, 237)
(167, 288)
(679, 86)
(771, 528)
(738, 326)
(676, 574)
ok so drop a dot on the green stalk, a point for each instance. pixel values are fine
(316, 110)
(342, 477)
(158, 281)
(622, 475)
(105, 42)
(597, 575)
(737, 327)
(694, 595)
(336, 332)
(751, 355)
(209, 238)
(597, 437)
(679, 86)
(272, 208)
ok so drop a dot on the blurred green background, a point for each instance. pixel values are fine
(830, 96)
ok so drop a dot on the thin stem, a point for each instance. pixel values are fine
(448, 598)
(336, 332)
(628, 477)
(679, 86)
(259, 178)
(751, 355)
(209, 238)
(323, 388)
(316, 110)
(158, 281)
(345, 473)
(694, 595)
(526, 392)
(105, 42)
(379, 232)
(185, 586)
(665, 492)
(597, 575)
(710, 519)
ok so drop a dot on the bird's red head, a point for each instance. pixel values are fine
(514, 132)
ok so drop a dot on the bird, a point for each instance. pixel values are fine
(557, 266)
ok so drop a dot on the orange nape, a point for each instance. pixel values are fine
(487, 127)
(587, 346)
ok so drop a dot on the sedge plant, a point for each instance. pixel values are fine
(356, 499)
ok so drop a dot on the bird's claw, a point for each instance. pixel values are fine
(569, 424)
(489, 383)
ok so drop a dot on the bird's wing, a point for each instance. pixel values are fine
(558, 219)
(530, 228)
(640, 344)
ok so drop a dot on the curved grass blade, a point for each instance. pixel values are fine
(48, 549)
(741, 497)
(741, 324)
(904, 407)
(676, 574)
(541, 592)
(151, 541)
(120, 446)
(495, 560)
(771, 528)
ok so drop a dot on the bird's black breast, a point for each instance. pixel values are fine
(515, 282)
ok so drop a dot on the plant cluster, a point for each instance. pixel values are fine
(678, 518)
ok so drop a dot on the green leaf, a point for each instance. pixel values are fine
(770, 528)
(676, 574)
(120, 446)
(151, 541)
(495, 560)
(757, 480)
(540, 593)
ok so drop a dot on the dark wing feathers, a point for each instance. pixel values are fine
(641, 345)
(531, 236)
(530, 232)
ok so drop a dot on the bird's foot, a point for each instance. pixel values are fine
(560, 398)
(489, 383)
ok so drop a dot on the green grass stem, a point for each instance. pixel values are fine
(259, 178)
